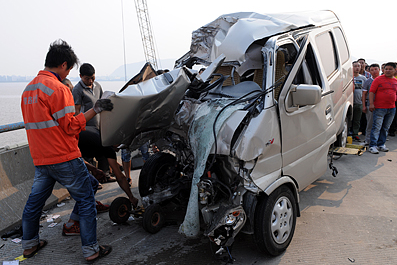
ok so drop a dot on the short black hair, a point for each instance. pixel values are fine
(391, 64)
(361, 59)
(87, 69)
(374, 65)
(58, 53)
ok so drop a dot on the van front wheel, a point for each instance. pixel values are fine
(275, 219)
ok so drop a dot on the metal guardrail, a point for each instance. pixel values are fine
(12, 127)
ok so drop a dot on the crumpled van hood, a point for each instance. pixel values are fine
(232, 34)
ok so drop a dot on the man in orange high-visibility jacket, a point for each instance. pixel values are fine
(52, 129)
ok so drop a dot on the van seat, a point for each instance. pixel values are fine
(227, 71)
(280, 73)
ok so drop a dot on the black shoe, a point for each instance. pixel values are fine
(392, 134)
(356, 138)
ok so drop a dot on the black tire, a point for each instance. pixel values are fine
(156, 171)
(277, 211)
(119, 210)
(341, 139)
(153, 218)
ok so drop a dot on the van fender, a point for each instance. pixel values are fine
(288, 181)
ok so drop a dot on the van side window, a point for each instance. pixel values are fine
(308, 73)
(341, 41)
(312, 69)
(327, 52)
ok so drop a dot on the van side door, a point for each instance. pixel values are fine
(307, 125)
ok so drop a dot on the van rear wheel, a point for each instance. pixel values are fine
(275, 219)
(342, 137)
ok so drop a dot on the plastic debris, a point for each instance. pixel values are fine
(2, 246)
(61, 204)
(20, 258)
(351, 260)
(53, 218)
(17, 240)
(14, 262)
(52, 224)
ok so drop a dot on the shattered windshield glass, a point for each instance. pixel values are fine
(201, 139)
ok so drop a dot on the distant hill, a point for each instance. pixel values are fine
(134, 68)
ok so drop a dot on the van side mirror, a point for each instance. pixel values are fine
(302, 95)
(305, 95)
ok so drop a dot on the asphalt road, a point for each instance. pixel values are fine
(350, 219)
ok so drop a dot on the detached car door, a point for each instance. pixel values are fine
(307, 124)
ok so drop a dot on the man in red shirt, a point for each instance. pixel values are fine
(382, 97)
(52, 129)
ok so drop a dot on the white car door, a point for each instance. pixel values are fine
(307, 131)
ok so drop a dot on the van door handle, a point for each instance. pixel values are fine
(327, 93)
(328, 110)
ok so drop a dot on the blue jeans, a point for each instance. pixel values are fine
(75, 213)
(382, 119)
(74, 176)
(126, 155)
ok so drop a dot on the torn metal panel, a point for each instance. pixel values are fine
(146, 73)
(261, 142)
(144, 107)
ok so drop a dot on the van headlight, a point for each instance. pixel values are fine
(232, 217)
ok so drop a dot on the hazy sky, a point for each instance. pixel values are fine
(94, 28)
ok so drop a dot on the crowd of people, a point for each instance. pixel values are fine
(375, 91)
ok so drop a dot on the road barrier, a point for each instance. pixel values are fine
(16, 179)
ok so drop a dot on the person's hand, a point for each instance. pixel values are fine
(364, 109)
(99, 174)
(371, 107)
(103, 104)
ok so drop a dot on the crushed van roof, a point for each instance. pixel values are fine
(232, 34)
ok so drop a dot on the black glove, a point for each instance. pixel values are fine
(103, 104)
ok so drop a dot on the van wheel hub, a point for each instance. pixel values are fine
(282, 220)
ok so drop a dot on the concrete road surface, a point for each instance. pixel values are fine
(350, 219)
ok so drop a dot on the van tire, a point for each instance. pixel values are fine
(277, 210)
(342, 137)
(157, 169)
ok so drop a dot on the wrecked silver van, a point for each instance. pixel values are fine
(243, 138)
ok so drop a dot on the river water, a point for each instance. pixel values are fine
(10, 108)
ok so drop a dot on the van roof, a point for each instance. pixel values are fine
(232, 34)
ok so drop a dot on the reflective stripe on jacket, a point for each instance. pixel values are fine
(48, 113)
